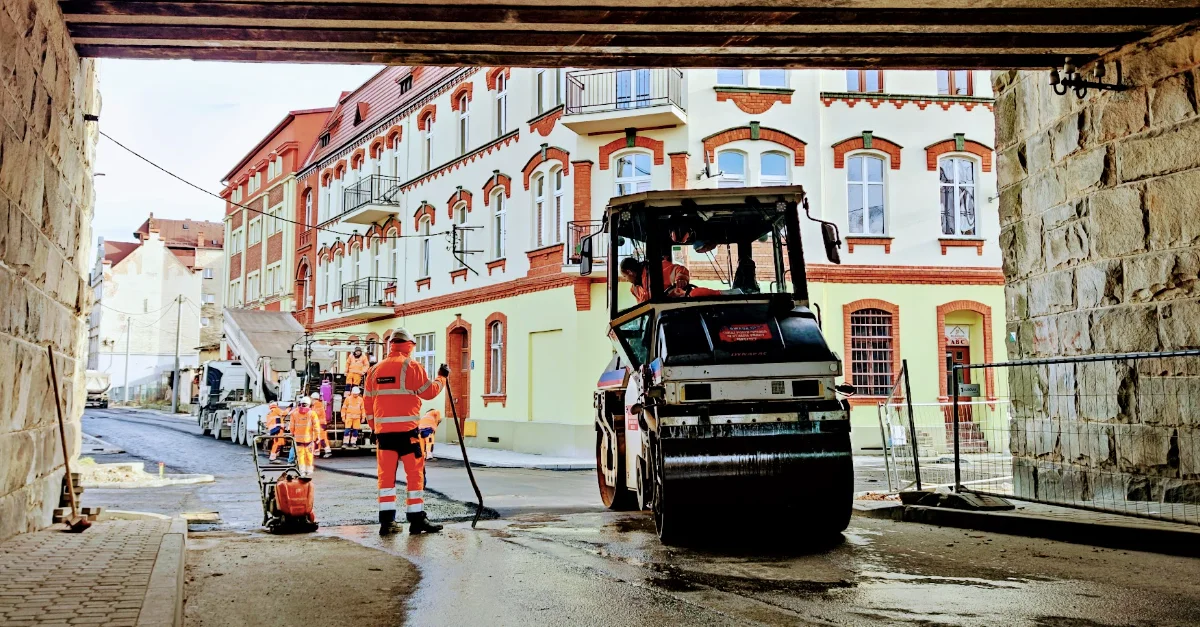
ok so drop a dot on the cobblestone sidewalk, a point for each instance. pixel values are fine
(98, 577)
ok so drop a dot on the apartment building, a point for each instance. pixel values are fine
(260, 208)
(135, 290)
(450, 201)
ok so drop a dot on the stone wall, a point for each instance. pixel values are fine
(1100, 226)
(46, 152)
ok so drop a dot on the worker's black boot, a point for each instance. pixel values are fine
(388, 524)
(418, 522)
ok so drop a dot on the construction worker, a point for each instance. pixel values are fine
(352, 416)
(304, 427)
(395, 388)
(274, 425)
(676, 280)
(320, 409)
(357, 365)
(428, 431)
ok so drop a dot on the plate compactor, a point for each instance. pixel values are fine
(287, 498)
(721, 397)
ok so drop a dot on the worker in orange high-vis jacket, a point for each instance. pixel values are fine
(353, 413)
(357, 364)
(427, 427)
(304, 426)
(321, 410)
(274, 426)
(394, 390)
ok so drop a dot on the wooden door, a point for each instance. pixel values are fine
(458, 359)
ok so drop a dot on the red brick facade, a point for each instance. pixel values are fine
(461, 195)
(988, 357)
(489, 395)
(859, 142)
(870, 303)
(547, 153)
(275, 196)
(235, 266)
(424, 210)
(947, 242)
(465, 88)
(494, 181)
(852, 241)
(274, 248)
(653, 145)
(679, 170)
(936, 150)
(754, 132)
(545, 260)
(254, 258)
(427, 116)
(753, 102)
(583, 190)
(490, 77)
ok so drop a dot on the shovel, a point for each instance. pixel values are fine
(75, 522)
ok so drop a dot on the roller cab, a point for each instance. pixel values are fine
(721, 392)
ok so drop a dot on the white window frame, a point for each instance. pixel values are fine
(339, 263)
(727, 180)
(377, 257)
(539, 210)
(460, 218)
(309, 218)
(253, 286)
(328, 280)
(209, 273)
(208, 299)
(496, 355)
(395, 160)
(255, 231)
(501, 110)
(638, 183)
(464, 125)
(355, 262)
(427, 144)
(769, 180)
(725, 73)
(393, 254)
(235, 244)
(425, 352)
(556, 211)
(786, 78)
(425, 252)
(539, 92)
(269, 281)
(956, 186)
(499, 224)
(866, 185)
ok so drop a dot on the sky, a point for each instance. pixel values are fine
(196, 119)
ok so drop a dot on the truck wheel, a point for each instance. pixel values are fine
(617, 498)
(203, 430)
(239, 427)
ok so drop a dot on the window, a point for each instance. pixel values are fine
(772, 78)
(274, 221)
(326, 194)
(864, 81)
(871, 351)
(377, 259)
(308, 212)
(732, 166)
(252, 287)
(499, 225)
(325, 290)
(539, 210)
(394, 262)
(234, 290)
(209, 299)
(633, 173)
(425, 351)
(208, 273)
(633, 88)
(324, 140)
(339, 263)
(556, 179)
(204, 322)
(355, 262)
(958, 195)
(501, 105)
(464, 125)
(731, 77)
(405, 85)
(540, 89)
(496, 355)
(255, 231)
(426, 246)
(235, 245)
(396, 160)
(865, 186)
(427, 145)
(269, 286)
(955, 83)
(460, 218)
(773, 169)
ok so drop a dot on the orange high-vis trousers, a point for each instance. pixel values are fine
(304, 454)
(386, 463)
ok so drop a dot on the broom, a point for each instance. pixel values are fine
(75, 522)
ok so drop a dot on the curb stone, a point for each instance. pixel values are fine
(163, 604)
(1183, 543)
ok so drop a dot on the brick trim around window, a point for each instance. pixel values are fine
(847, 359)
(465, 88)
(988, 357)
(638, 141)
(866, 141)
(544, 154)
(454, 360)
(755, 132)
(852, 241)
(958, 143)
(950, 242)
(489, 396)
(496, 180)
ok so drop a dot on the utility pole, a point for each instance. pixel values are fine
(175, 380)
(128, 329)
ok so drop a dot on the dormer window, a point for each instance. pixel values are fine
(324, 139)
(405, 84)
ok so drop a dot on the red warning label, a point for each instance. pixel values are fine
(745, 333)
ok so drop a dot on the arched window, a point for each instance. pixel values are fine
(426, 247)
(732, 166)
(864, 181)
(773, 169)
(633, 173)
(427, 144)
(303, 289)
(539, 211)
(340, 262)
(377, 260)
(496, 358)
(501, 105)
(326, 291)
(499, 224)
(464, 125)
(394, 256)
(957, 176)
(395, 159)
(323, 208)
(308, 212)
(872, 339)
(556, 180)
(460, 218)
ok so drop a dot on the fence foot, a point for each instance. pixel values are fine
(957, 500)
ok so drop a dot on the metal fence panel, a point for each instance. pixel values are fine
(1114, 433)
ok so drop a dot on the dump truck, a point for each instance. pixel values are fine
(720, 398)
(98, 384)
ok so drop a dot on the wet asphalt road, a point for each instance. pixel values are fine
(574, 566)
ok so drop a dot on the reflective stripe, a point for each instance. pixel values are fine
(415, 494)
(416, 507)
(394, 419)
(392, 392)
(387, 492)
(403, 376)
(428, 382)
(389, 506)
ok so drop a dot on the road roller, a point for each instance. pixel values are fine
(721, 397)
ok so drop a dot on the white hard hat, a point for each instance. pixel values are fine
(402, 335)
(273, 404)
(316, 396)
(356, 390)
(305, 401)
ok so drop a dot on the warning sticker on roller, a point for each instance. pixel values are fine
(631, 420)
(744, 333)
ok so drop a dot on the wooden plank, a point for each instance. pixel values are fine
(956, 59)
(1071, 43)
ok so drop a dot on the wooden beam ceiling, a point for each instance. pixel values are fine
(619, 33)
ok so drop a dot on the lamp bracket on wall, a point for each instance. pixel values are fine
(1071, 79)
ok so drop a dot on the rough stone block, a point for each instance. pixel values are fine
(1010, 206)
(1106, 391)
(1024, 478)
(1189, 450)
(1085, 172)
(1041, 192)
(1179, 324)
(1168, 401)
(1161, 276)
(1010, 164)
(1117, 225)
(1016, 299)
(1066, 246)
(1146, 66)
(1064, 137)
(1125, 329)
(1075, 332)
(1026, 246)
(1142, 448)
(1099, 284)
(1171, 100)
(1120, 114)
(1038, 153)
(1171, 149)
(1181, 491)
(1052, 293)
(1173, 210)
(1045, 337)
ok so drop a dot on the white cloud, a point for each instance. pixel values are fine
(196, 119)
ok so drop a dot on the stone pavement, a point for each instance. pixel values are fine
(115, 574)
(498, 458)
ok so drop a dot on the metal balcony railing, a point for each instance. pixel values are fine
(576, 232)
(367, 292)
(600, 91)
(374, 189)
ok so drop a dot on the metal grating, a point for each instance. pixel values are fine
(871, 351)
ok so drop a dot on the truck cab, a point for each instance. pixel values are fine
(723, 388)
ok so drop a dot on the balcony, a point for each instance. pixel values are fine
(612, 100)
(371, 200)
(368, 297)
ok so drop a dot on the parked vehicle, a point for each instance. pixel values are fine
(98, 384)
